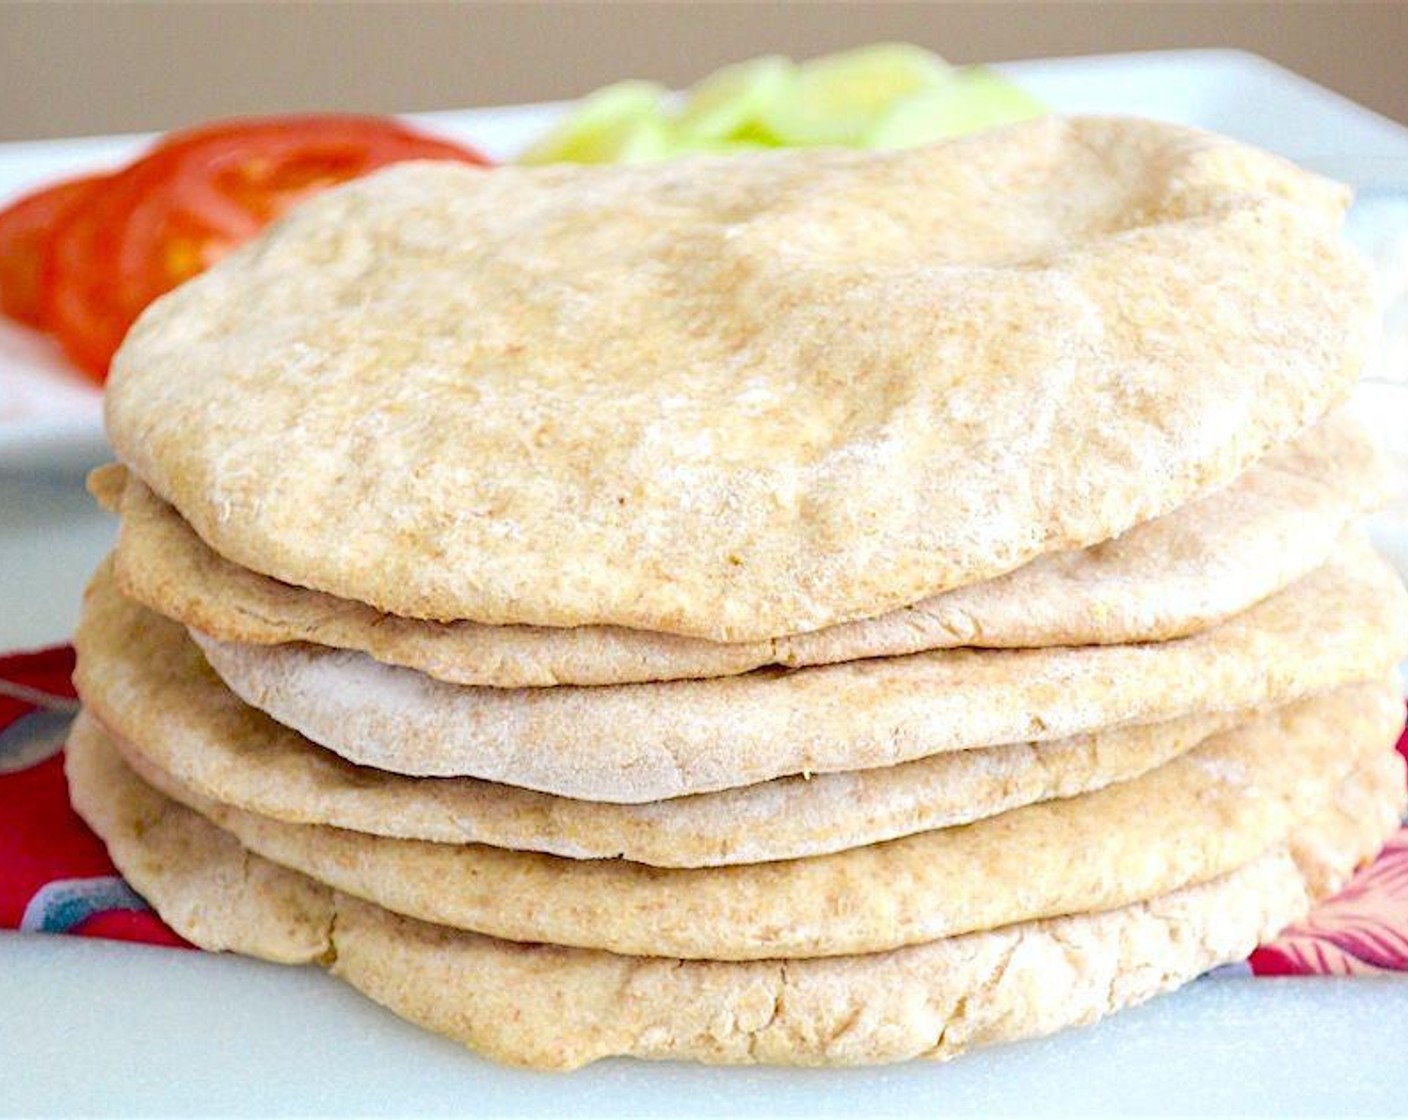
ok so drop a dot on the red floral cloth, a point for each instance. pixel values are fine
(55, 875)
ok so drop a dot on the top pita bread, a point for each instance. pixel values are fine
(746, 397)
(1165, 578)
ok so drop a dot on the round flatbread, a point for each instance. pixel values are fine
(559, 1008)
(743, 397)
(1166, 578)
(144, 679)
(646, 742)
(1197, 817)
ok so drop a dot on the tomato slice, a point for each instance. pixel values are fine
(26, 235)
(192, 199)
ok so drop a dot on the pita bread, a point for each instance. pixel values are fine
(1172, 576)
(220, 897)
(423, 390)
(646, 742)
(106, 484)
(1197, 817)
(143, 678)
(552, 1007)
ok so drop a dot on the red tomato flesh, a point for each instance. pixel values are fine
(26, 234)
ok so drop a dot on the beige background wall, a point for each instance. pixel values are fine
(70, 69)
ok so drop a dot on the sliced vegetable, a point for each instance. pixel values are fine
(973, 99)
(836, 99)
(883, 96)
(623, 123)
(732, 103)
(26, 235)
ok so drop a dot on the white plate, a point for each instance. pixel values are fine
(93, 1027)
(50, 419)
(107, 1029)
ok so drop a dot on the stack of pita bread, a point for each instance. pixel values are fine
(816, 607)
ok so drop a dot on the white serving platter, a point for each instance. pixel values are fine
(108, 1029)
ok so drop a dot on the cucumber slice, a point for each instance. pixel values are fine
(836, 99)
(621, 123)
(731, 101)
(974, 99)
(640, 141)
(725, 147)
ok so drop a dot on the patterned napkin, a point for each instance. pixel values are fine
(55, 875)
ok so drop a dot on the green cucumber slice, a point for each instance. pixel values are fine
(836, 99)
(621, 123)
(974, 99)
(732, 101)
